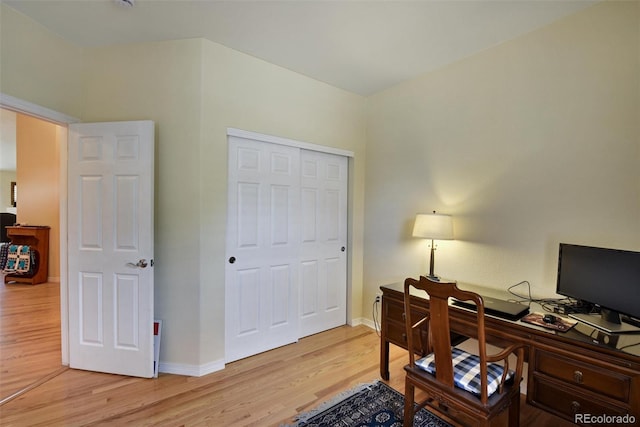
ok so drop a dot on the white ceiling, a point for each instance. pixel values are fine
(360, 46)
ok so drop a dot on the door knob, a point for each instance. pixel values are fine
(232, 260)
(140, 264)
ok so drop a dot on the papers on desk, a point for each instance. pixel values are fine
(561, 324)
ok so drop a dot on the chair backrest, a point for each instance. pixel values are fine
(440, 329)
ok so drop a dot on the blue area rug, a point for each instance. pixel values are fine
(374, 404)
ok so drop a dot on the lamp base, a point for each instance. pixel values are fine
(433, 278)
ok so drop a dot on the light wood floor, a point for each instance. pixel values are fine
(29, 334)
(264, 390)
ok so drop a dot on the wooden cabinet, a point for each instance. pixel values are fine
(571, 383)
(37, 237)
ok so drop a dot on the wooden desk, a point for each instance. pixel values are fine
(581, 371)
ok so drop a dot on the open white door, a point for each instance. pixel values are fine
(110, 247)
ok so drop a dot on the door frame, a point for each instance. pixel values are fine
(25, 107)
(288, 142)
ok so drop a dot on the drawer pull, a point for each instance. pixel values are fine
(575, 407)
(577, 377)
(404, 337)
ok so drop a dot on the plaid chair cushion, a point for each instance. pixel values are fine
(466, 371)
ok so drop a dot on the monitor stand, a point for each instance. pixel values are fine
(596, 321)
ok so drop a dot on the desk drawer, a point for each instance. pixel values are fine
(22, 231)
(394, 320)
(566, 401)
(397, 334)
(394, 310)
(588, 376)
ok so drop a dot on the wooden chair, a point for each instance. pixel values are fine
(444, 371)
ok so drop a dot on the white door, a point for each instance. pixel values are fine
(323, 259)
(262, 247)
(110, 247)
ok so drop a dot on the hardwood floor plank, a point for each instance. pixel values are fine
(29, 334)
(264, 390)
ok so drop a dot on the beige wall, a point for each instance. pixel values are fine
(162, 82)
(528, 144)
(242, 92)
(38, 173)
(194, 90)
(38, 66)
(7, 156)
(6, 177)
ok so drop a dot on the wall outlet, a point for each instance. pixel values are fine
(378, 298)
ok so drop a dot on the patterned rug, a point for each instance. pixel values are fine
(374, 404)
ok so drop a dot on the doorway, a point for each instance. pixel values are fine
(31, 324)
(62, 120)
(127, 149)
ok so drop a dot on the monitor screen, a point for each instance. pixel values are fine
(609, 278)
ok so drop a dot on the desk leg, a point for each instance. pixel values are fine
(384, 359)
(384, 356)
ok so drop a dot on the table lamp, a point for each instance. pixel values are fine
(435, 227)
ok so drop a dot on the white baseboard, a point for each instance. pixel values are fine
(363, 321)
(191, 370)
(218, 365)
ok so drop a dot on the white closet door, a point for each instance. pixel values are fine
(323, 256)
(262, 247)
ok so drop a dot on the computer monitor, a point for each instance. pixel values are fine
(608, 278)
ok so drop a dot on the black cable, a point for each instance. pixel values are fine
(529, 299)
(629, 346)
(553, 305)
(376, 321)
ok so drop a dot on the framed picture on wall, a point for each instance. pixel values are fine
(14, 194)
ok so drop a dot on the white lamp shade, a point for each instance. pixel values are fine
(433, 226)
